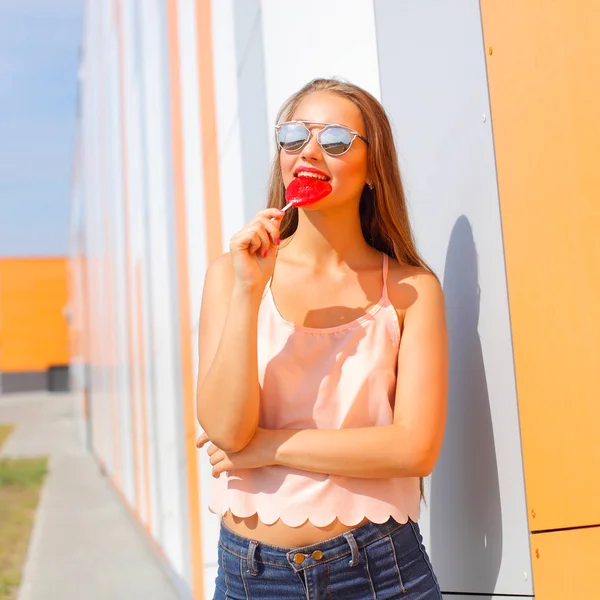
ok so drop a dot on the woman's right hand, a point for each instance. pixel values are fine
(254, 249)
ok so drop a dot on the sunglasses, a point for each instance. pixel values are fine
(334, 139)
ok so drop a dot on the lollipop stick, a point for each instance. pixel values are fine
(283, 209)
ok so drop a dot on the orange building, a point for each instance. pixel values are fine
(34, 339)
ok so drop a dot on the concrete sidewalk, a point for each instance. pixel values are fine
(84, 545)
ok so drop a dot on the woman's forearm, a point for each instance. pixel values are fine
(228, 397)
(372, 452)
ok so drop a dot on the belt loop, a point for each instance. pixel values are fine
(353, 547)
(252, 568)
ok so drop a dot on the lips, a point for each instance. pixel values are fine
(305, 190)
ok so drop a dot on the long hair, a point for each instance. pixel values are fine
(383, 210)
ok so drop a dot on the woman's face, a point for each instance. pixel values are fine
(347, 173)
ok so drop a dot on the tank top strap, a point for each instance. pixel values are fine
(267, 289)
(385, 268)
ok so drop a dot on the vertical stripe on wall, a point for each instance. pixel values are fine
(109, 357)
(226, 73)
(252, 105)
(115, 202)
(136, 160)
(189, 409)
(143, 395)
(210, 157)
(130, 364)
(144, 273)
(165, 397)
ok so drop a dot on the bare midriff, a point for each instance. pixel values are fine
(282, 535)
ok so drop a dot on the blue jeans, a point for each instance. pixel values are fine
(370, 561)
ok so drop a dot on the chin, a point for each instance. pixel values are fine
(331, 202)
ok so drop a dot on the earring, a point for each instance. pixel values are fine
(370, 184)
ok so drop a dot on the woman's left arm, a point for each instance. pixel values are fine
(407, 448)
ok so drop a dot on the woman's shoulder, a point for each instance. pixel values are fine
(409, 285)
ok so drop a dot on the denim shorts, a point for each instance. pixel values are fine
(370, 561)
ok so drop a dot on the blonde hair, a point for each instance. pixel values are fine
(383, 210)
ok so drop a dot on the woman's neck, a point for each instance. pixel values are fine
(330, 237)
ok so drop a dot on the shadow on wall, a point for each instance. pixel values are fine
(466, 519)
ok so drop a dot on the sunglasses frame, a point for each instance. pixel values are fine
(304, 124)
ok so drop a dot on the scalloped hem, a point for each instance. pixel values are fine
(347, 522)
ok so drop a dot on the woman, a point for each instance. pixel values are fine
(323, 370)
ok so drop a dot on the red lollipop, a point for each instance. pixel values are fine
(303, 191)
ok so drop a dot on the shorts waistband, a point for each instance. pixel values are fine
(305, 557)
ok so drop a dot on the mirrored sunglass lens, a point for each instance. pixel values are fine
(335, 140)
(292, 137)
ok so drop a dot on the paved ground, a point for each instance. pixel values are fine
(84, 545)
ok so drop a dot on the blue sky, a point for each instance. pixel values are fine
(39, 48)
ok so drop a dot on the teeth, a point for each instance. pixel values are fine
(313, 175)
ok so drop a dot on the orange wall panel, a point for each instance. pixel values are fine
(566, 564)
(543, 62)
(33, 331)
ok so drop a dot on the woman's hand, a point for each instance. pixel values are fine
(260, 452)
(253, 250)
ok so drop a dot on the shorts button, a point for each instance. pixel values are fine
(299, 558)
(317, 555)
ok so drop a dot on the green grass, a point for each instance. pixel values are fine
(20, 483)
(23, 472)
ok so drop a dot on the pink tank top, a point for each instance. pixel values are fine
(334, 378)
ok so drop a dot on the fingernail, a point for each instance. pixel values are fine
(266, 254)
(278, 241)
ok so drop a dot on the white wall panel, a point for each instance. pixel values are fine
(253, 125)
(88, 148)
(317, 39)
(196, 235)
(192, 157)
(227, 115)
(103, 248)
(142, 255)
(162, 347)
(135, 234)
(120, 269)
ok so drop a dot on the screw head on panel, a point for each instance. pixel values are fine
(525, 574)
(537, 553)
(490, 50)
(533, 514)
(484, 117)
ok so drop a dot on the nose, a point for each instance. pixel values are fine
(312, 151)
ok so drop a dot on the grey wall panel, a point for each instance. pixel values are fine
(23, 381)
(433, 84)
(486, 597)
(252, 103)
